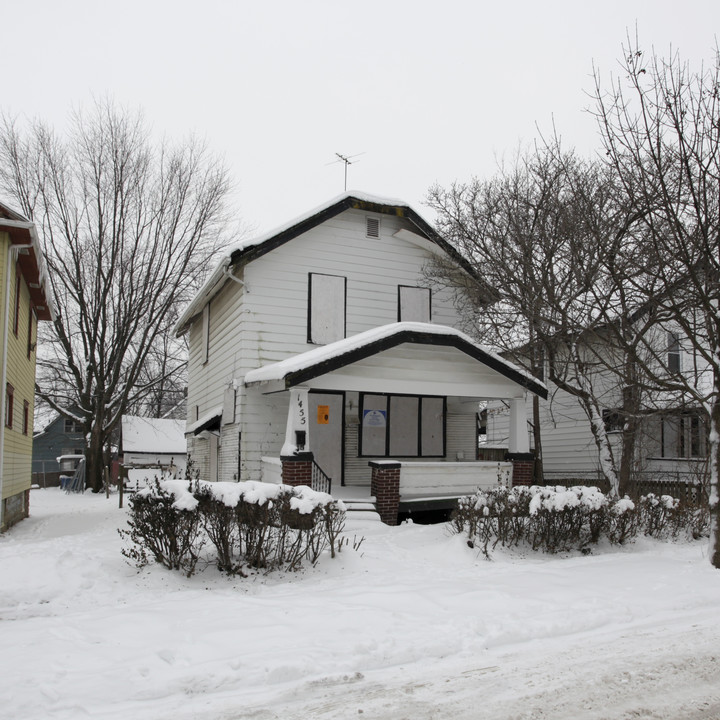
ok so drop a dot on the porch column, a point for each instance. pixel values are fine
(519, 441)
(297, 430)
(519, 444)
(385, 487)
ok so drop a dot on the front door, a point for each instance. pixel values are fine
(326, 432)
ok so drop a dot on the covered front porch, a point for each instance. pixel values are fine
(392, 414)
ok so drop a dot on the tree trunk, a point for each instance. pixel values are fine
(94, 459)
(537, 439)
(714, 457)
(631, 411)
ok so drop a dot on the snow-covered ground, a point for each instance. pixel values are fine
(413, 625)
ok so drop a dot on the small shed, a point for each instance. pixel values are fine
(153, 442)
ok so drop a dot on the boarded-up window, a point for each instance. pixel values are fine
(404, 419)
(402, 426)
(432, 423)
(205, 340)
(326, 308)
(413, 304)
(374, 425)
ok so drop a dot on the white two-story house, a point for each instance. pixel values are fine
(322, 340)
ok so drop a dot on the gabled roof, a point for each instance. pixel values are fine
(32, 263)
(254, 248)
(321, 360)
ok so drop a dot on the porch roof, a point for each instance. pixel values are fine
(427, 355)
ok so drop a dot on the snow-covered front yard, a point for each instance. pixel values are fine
(413, 625)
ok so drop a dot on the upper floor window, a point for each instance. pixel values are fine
(30, 343)
(674, 364)
(72, 426)
(26, 417)
(413, 304)
(9, 404)
(16, 311)
(205, 340)
(327, 298)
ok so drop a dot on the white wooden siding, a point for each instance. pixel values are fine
(427, 479)
(266, 321)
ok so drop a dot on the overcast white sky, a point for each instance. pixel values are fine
(428, 91)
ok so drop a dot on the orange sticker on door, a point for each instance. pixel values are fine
(323, 414)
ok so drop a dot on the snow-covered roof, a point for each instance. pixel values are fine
(256, 246)
(153, 435)
(321, 360)
(209, 419)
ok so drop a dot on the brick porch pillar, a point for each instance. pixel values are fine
(385, 487)
(523, 466)
(297, 469)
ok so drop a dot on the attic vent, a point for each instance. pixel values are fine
(373, 227)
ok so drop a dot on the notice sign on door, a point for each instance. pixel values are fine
(374, 418)
(323, 414)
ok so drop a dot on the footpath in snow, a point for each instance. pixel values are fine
(413, 625)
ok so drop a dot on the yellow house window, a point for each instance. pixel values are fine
(9, 402)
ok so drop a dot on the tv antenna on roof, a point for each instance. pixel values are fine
(348, 160)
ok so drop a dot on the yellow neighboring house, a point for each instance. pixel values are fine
(25, 298)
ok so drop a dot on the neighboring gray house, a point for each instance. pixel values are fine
(672, 439)
(61, 436)
(322, 341)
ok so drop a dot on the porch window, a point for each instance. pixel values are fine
(326, 308)
(414, 304)
(683, 435)
(402, 426)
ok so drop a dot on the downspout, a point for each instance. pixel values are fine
(13, 251)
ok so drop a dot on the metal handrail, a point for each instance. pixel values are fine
(319, 480)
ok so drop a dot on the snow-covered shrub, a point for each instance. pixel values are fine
(623, 521)
(261, 525)
(565, 518)
(662, 517)
(493, 516)
(164, 524)
(219, 521)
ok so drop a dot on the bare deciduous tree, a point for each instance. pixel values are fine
(542, 235)
(660, 129)
(128, 227)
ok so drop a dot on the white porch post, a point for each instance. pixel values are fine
(297, 422)
(519, 440)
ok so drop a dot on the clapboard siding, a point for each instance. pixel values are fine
(568, 444)
(265, 321)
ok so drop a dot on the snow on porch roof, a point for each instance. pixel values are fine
(254, 247)
(153, 435)
(319, 361)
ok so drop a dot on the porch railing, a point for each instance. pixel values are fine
(320, 482)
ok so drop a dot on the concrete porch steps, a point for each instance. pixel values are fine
(360, 508)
